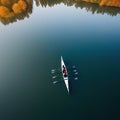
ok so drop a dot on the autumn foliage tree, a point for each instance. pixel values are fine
(5, 12)
(19, 6)
(8, 2)
(8, 8)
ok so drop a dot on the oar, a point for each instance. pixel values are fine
(73, 66)
(54, 82)
(76, 73)
(76, 78)
(54, 77)
(75, 70)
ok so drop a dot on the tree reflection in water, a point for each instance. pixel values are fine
(113, 3)
(13, 10)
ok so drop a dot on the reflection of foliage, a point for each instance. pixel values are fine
(11, 10)
(95, 8)
(114, 3)
(87, 4)
(5, 12)
(19, 7)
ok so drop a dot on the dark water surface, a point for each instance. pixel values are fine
(30, 48)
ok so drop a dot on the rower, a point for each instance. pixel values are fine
(64, 71)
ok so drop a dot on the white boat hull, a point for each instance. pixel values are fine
(66, 80)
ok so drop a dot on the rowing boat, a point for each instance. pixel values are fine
(65, 74)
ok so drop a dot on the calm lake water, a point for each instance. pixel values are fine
(86, 36)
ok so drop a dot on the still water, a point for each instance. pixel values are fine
(86, 35)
